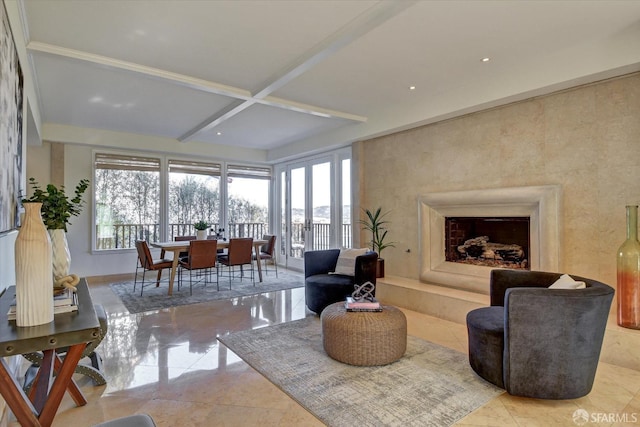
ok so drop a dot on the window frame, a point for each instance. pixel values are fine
(164, 161)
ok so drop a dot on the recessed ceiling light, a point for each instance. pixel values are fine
(412, 88)
(218, 133)
(486, 59)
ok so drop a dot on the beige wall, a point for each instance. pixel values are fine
(586, 139)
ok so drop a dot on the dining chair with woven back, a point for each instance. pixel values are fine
(147, 263)
(268, 252)
(202, 255)
(240, 253)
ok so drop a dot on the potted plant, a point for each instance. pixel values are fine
(56, 211)
(201, 227)
(375, 223)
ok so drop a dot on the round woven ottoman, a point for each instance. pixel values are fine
(364, 338)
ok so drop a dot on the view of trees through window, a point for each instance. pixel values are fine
(128, 194)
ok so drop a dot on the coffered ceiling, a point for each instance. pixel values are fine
(305, 75)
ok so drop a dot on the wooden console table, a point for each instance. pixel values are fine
(73, 330)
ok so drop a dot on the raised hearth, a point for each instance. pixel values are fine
(541, 204)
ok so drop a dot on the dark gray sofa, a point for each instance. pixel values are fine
(539, 342)
(322, 288)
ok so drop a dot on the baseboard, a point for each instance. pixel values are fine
(99, 280)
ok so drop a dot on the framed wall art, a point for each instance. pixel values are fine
(11, 100)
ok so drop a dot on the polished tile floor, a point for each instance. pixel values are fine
(169, 364)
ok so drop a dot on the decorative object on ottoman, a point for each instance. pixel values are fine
(323, 286)
(56, 211)
(537, 341)
(364, 338)
(362, 298)
(375, 224)
(628, 292)
(34, 281)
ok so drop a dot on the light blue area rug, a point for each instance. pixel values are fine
(156, 298)
(430, 386)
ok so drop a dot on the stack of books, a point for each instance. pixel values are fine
(362, 305)
(63, 302)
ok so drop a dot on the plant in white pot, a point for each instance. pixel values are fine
(57, 209)
(375, 223)
(201, 229)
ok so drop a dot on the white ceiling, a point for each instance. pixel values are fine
(275, 75)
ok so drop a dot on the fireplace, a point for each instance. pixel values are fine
(499, 242)
(537, 207)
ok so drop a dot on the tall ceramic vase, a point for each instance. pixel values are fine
(34, 279)
(60, 252)
(628, 292)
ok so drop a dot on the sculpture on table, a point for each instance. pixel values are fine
(364, 292)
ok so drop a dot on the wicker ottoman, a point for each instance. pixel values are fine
(364, 338)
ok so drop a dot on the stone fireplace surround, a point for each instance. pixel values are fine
(540, 203)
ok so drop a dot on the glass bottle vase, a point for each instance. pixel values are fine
(628, 266)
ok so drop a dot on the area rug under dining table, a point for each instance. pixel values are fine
(156, 298)
(430, 386)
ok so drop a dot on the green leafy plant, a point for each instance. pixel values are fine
(375, 223)
(201, 225)
(57, 208)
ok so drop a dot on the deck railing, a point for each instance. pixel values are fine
(124, 236)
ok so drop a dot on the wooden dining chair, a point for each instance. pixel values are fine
(240, 253)
(183, 239)
(146, 262)
(267, 252)
(202, 255)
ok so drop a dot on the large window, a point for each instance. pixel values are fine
(137, 198)
(248, 201)
(127, 200)
(194, 195)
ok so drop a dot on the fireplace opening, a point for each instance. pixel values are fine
(488, 241)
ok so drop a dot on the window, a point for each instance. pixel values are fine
(127, 200)
(194, 195)
(347, 237)
(137, 198)
(248, 201)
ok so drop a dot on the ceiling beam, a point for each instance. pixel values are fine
(176, 78)
(361, 25)
(192, 83)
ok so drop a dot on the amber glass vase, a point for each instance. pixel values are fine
(629, 274)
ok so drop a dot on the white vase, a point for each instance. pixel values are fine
(201, 234)
(61, 257)
(34, 278)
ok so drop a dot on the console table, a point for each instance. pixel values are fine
(73, 330)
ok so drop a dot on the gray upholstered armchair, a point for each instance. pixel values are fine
(323, 288)
(539, 342)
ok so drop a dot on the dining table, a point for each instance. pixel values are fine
(183, 246)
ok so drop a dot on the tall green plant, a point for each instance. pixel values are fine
(57, 208)
(375, 223)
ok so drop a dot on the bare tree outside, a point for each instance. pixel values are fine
(128, 207)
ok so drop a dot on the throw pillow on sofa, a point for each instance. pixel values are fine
(566, 282)
(347, 261)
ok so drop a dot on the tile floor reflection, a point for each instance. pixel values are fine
(169, 364)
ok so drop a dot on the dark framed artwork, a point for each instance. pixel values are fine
(11, 99)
